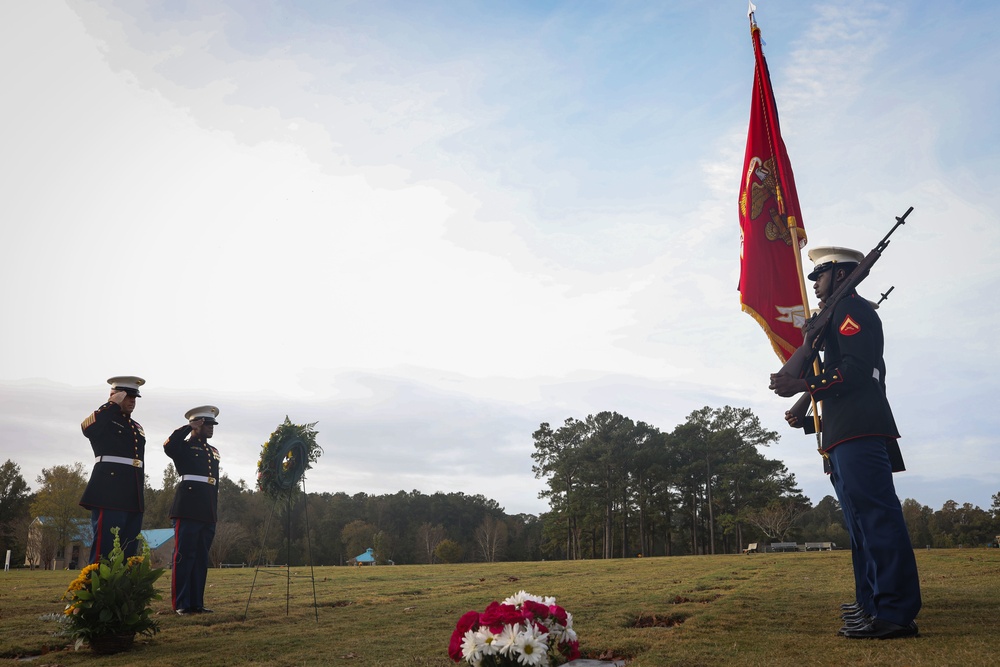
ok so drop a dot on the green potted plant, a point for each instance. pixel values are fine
(109, 600)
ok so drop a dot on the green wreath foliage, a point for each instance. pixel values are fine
(285, 457)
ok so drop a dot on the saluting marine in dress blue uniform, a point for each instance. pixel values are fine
(114, 494)
(859, 437)
(195, 508)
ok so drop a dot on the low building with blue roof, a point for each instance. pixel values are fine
(367, 558)
(43, 553)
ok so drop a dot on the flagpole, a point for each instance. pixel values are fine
(792, 230)
(790, 221)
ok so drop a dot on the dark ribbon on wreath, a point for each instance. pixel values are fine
(290, 464)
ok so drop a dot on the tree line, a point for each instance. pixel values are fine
(615, 487)
(620, 488)
(317, 529)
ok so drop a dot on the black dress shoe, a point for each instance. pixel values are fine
(854, 625)
(855, 616)
(877, 629)
(850, 606)
(202, 610)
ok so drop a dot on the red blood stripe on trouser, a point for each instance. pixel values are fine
(100, 532)
(173, 578)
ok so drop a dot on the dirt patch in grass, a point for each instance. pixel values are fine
(681, 599)
(336, 603)
(656, 620)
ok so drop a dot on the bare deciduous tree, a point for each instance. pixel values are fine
(428, 538)
(491, 536)
(777, 518)
(229, 538)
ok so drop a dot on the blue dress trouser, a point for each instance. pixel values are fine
(129, 526)
(864, 475)
(863, 576)
(192, 540)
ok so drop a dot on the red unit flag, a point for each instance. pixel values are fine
(772, 289)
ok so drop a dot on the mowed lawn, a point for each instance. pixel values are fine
(760, 609)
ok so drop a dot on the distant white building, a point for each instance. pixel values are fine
(43, 552)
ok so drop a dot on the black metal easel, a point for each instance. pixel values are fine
(288, 553)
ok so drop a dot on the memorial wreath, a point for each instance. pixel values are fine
(285, 457)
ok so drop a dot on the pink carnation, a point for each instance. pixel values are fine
(498, 615)
(558, 613)
(534, 609)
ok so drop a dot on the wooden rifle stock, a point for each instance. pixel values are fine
(815, 329)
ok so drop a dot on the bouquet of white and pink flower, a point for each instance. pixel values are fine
(522, 630)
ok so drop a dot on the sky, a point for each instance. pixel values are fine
(431, 226)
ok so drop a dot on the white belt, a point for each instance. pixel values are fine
(135, 463)
(198, 478)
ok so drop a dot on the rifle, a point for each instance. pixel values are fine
(815, 330)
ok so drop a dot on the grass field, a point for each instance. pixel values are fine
(761, 609)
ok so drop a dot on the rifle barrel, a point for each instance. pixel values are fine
(900, 220)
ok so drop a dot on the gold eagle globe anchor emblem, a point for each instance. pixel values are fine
(761, 187)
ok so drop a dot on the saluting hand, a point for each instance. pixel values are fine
(118, 397)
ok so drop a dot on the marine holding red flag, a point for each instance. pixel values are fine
(771, 287)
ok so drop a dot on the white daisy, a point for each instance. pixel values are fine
(517, 599)
(568, 634)
(507, 639)
(486, 642)
(531, 648)
(471, 650)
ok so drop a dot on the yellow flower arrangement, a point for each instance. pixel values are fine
(79, 583)
(111, 598)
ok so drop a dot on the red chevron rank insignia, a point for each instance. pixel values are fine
(849, 327)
